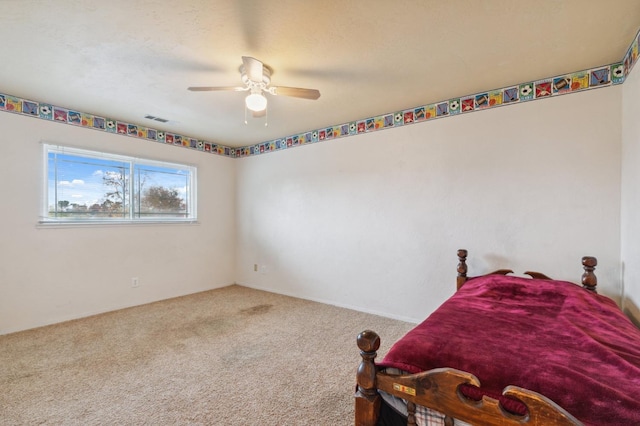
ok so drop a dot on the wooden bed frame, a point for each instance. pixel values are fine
(438, 389)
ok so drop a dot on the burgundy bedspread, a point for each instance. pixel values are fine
(553, 337)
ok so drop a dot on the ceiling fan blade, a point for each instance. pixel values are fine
(210, 89)
(253, 68)
(296, 92)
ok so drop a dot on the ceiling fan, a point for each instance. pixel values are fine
(256, 78)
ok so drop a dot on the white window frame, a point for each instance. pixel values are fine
(191, 190)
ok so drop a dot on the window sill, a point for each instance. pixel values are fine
(110, 223)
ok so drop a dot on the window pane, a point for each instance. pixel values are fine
(161, 192)
(87, 188)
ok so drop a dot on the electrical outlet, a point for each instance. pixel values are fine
(255, 267)
(135, 282)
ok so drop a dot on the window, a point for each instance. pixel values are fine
(87, 186)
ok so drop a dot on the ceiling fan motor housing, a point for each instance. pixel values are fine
(266, 78)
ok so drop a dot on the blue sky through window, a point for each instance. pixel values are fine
(80, 180)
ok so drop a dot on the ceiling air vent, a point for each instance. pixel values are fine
(154, 118)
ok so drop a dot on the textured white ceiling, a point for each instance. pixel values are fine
(125, 59)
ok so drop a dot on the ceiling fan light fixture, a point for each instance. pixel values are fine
(256, 102)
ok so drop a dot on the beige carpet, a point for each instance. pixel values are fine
(232, 356)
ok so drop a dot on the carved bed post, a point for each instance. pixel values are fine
(462, 268)
(367, 397)
(589, 279)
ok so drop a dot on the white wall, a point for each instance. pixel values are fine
(49, 275)
(631, 189)
(533, 186)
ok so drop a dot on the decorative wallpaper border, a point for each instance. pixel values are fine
(593, 78)
(58, 114)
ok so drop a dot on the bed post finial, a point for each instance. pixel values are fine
(589, 279)
(367, 397)
(462, 268)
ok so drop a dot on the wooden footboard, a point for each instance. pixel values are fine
(439, 390)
